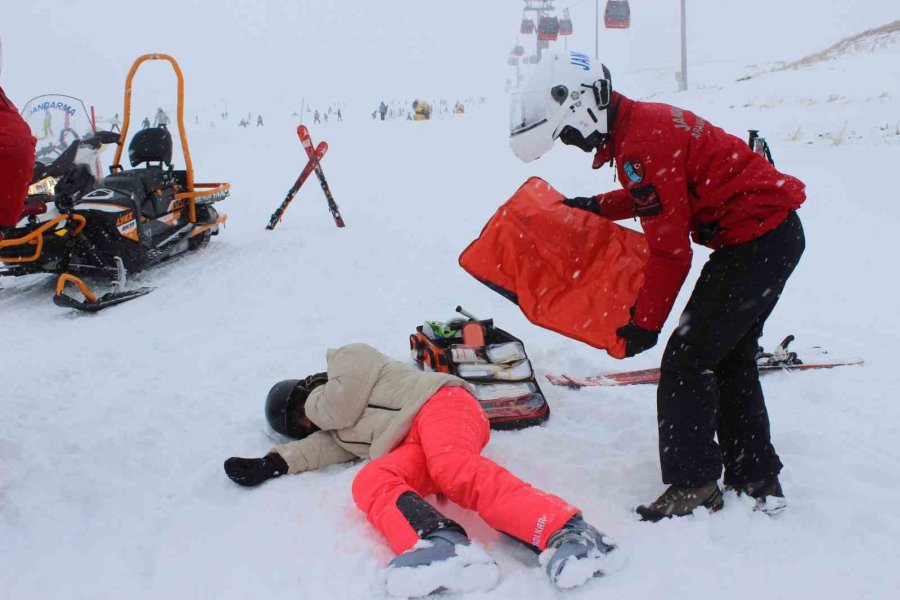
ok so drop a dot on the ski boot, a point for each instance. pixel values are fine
(767, 493)
(443, 561)
(681, 501)
(578, 552)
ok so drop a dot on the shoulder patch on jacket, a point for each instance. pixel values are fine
(634, 170)
(645, 201)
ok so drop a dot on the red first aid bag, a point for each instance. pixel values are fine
(569, 270)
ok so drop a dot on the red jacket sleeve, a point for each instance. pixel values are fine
(615, 205)
(664, 208)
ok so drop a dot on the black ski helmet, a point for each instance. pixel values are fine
(284, 401)
(277, 406)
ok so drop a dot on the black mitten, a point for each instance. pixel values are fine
(251, 472)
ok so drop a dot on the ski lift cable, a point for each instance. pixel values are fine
(574, 4)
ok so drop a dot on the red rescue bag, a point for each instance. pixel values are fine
(569, 270)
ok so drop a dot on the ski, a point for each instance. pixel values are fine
(647, 376)
(306, 140)
(321, 149)
(781, 360)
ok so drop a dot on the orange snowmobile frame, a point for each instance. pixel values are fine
(36, 238)
(192, 193)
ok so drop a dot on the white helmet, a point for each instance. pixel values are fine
(565, 92)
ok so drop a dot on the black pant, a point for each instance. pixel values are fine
(709, 383)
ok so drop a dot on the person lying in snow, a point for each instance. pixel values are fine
(424, 433)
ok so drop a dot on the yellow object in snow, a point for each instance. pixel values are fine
(422, 110)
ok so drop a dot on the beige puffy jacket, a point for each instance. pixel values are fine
(365, 410)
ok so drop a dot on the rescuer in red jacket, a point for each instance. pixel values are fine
(685, 179)
(16, 163)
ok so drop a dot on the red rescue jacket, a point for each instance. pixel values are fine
(16, 162)
(686, 179)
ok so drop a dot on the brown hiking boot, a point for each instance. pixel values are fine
(680, 501)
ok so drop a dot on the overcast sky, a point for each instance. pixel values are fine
(271, 53)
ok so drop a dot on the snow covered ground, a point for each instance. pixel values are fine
(116, 425)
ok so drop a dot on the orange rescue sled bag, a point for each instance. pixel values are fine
(569, 270)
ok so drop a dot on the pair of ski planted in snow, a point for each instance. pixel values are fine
(780, 360)
(315, 155)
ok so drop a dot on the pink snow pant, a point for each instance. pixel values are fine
(442, 454)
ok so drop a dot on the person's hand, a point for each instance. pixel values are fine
(588, 203)
(636, 338)
(250, 472)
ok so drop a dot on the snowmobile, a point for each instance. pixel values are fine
(74, 225)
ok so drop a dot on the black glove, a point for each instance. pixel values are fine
(637, 339)
(588, 203)
(253, 471)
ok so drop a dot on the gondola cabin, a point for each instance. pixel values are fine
(548, 29)
(617, 15)
(527, 27)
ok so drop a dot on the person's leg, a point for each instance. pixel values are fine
(453, 429)
(743, 428)
(390, 489)
(736, 289)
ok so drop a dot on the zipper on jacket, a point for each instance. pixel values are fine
(383, 407)
(340, 439)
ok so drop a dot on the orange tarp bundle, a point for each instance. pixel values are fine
(569, 270)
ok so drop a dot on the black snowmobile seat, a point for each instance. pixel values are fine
(151, 145)
(143, 185)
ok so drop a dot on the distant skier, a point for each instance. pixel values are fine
(325, 116)
(46, 126)
(339, 116)
(161, 119)
(145, 124)
(685, 178)
(16, 163)
(424, 433)
(382, 110)
(259, 121)
(116, 123)
(316, 118)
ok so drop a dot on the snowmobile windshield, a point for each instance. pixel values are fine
(56, 121)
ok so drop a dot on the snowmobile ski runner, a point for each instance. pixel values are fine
(306, 139)
(320, 152)
(780, 360)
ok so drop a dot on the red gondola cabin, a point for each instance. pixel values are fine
(548, 29)
(617, 15)
(565, 24)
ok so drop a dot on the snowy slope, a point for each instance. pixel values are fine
(116, 425)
